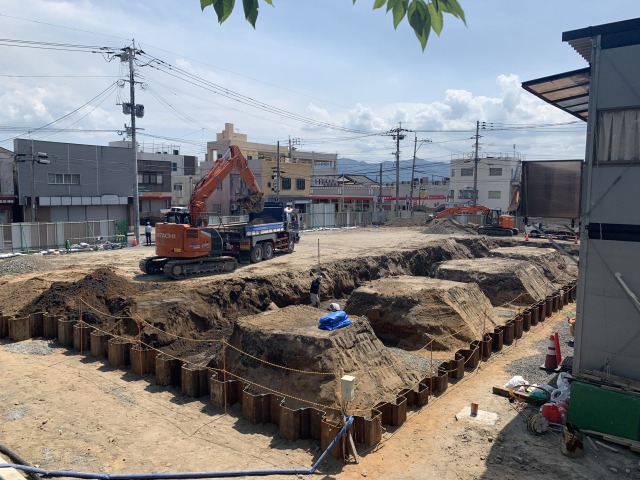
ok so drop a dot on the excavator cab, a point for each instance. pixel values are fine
(497, 224)
(179, 215)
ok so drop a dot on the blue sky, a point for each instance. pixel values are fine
(326, 60)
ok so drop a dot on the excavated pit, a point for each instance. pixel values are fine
(290, 337)
(503, 281)
(170, 318)
(552, 262)
(410, 312)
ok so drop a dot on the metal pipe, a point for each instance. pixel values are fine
(185, 475)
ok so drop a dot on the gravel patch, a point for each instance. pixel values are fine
(24, 264)
(16, 413)
(529, 367)
(30, 347)
(416, 362)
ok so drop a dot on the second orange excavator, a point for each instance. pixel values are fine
(494, 222)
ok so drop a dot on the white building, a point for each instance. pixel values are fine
(498, 180)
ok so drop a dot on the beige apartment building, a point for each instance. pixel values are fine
(299, 170)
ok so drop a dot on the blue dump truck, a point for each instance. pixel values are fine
(273, 230)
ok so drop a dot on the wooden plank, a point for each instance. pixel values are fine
(353, 447)
(522, 396)
(604, 445)
(592, 443)
(9, 473)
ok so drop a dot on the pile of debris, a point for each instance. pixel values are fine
(448, 226)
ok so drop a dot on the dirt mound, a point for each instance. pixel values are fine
(290, 337)
(502, 280)
(552, 262)
(102, 289)
(417, 221)
(408, 312)
(448, 226)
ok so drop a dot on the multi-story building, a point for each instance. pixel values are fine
(7, 192)
(497, 178)
(163, 176)
(93, 182)
(299, 170)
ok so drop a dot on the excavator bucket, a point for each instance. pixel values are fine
(253, 203)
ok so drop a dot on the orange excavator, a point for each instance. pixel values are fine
(494, 223)
(185, 244)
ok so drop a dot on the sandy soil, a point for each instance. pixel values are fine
(62, 410)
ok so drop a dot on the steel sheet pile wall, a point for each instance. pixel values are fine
(294, 421)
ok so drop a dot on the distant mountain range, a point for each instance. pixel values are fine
(423, 168)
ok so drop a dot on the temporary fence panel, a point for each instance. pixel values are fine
(27, 237)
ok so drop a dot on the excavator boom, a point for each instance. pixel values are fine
(233, 158)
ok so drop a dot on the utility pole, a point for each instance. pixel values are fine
(380, 189)
(277, 185)
(128, 55)
(413, 170)
(136, 194)
(397, 134)
(475, 166)
(413, 167)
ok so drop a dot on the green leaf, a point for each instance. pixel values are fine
(454, 8)
(378, 4)
(270, 2)
(250, 11)
(205, 3)
(420, 21)
(437, 20)
(223, 8)
(399, 11)
(391, 4)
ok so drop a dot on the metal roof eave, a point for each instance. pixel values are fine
(562, 87)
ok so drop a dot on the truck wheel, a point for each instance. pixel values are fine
(290, 246)
(256, 254)
(267, 249)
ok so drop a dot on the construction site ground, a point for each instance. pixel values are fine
(63, 410)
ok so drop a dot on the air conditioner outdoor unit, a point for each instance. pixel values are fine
(234, 207)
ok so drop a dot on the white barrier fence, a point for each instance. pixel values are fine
(31, 237)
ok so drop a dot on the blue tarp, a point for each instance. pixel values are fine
(334, 320)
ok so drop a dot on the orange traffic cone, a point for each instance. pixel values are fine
(556, 341)
(526, 237)
(550, 361)
(135, 242)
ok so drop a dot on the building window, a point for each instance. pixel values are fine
(453, 172)
(286, 183)
(618, 136)
(150, 178)
(249, 157)
(177, 189)
(300, 183)
(216, 208)
(268, 184)
(495, 172)
(466, 172)
(174, 167)
(465, 194)
(64, 178)
(495, 194)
